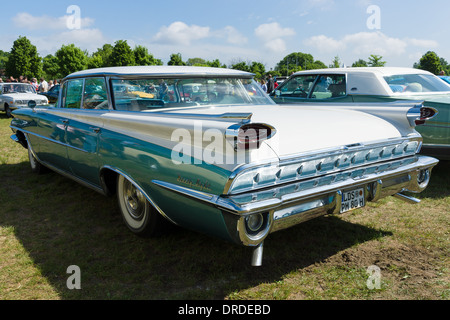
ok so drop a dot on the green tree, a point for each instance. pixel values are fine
(3, 59)
(241, 65)
(430, 62)
(70, 59)
(176, 60)
(143, 58)
(375, 61)
(297, 61)
(258, 69)
(445, 66)
(24, 60)
(122, 54)
(359, 63)
(51, 67)
(215, 64)
(197, 62)
(95, 61)
(336, 63)
(101, 58)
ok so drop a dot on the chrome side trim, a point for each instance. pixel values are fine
(244, 117)
(50, 140)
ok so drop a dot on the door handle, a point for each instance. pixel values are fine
(65, 121)
(95, 129)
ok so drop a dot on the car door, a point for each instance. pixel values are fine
(84, 129)
(52, 123)
(329, 88)
(294, 90)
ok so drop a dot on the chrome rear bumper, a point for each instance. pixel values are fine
(283, 206)
(286, 209)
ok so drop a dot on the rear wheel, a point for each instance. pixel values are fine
(137, 212)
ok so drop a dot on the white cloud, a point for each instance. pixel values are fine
(325, 44)
(366, 43)
(86, 39)
(233, 36)
(429, 44)
(28, 21)
(180, 33)
(272, 35)
(54, 32)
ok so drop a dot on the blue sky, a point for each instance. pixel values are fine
(266, 31)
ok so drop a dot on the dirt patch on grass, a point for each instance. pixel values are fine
(407, 271)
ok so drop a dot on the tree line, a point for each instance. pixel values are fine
(24, 60)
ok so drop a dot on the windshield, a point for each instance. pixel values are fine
(413, 83)
(18, 88)
(148, 94)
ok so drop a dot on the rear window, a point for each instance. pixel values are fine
(412, 83)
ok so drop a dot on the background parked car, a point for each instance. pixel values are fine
(350, 86)
(16, 95)
(52, 94)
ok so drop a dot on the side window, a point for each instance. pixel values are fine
(95, 96)
(329, 86)
(72, 94)
(298, 87)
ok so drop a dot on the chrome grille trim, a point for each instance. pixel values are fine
(325, 163)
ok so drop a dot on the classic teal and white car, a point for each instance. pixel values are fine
(16, 95)
(208, 150)
(346, 87)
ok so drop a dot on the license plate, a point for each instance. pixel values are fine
(352, 199)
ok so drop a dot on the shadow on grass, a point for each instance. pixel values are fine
(61, 223)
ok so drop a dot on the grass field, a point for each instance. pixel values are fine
(48, 223)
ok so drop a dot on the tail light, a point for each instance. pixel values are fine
(426, 113)
(250, 136)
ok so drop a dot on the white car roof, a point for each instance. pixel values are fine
(160, 71)
(384, 71)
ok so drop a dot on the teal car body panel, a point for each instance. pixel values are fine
(208, 150)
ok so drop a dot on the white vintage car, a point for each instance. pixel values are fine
(16, 95)
(348, 87)
(208, 150)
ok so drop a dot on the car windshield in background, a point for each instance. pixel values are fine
(154, 93)
(413, 83)
(18, 88)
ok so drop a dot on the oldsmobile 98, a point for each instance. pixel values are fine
(208, 150)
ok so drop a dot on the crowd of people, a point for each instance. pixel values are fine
(41, 86)
(269, 85)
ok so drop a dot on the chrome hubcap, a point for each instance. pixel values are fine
(134, 201)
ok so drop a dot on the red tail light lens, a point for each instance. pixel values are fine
(426, 113)
(250, 136)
